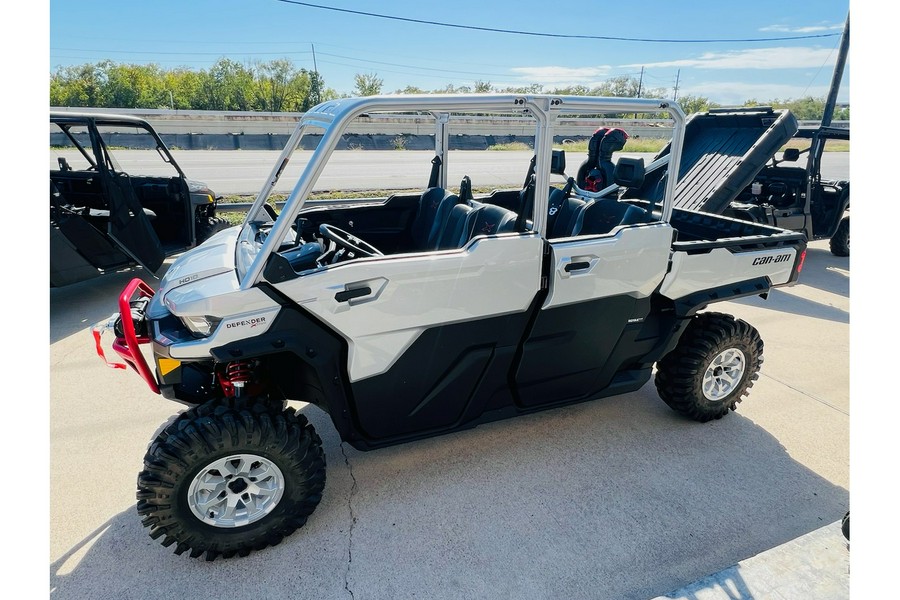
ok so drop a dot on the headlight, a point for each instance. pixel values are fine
(201, 326)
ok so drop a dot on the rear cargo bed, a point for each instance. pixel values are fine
(699, 232)
(723, 151)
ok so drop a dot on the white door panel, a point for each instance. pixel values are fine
(632, 260)
(406, 295)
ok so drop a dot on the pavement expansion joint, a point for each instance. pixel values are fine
(352, 522)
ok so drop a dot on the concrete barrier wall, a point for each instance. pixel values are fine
(212, 130)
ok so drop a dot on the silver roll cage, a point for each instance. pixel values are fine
(335, 116)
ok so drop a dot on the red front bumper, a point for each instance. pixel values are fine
(128, 345)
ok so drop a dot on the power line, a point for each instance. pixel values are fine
(557, 35)
(378, 62)
(186, 53)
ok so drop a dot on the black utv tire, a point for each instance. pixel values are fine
(226, 481)
(845, 526)
(253, 404)
(210, 227)
(840, 241)
(713, 366)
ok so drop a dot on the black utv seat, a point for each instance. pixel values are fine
(435, 207)
(489, 219)
(454, 231)
(603, 215)
(563, 213)
(445, 221)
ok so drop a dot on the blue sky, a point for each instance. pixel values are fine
(198, 32)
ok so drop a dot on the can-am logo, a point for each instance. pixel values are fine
(769, 260)
(246, 323)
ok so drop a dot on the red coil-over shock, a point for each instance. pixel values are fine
(235, 377)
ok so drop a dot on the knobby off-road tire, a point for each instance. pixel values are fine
(212, 226)
(713, 366)
(253, 404)
(840, 241)
(226, 481)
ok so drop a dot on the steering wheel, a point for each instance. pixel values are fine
(348, 241)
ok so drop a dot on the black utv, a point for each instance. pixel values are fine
(105, 217)
(797, 197)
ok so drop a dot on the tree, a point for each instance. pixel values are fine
(281, 86)
(693, 104)
(77, 86)
(134, 86)
(623, 86)
(183, 85)
(534, 88)
(483, 87)
(368, 84)
(411, 89)
(228, 85)
(314, 94)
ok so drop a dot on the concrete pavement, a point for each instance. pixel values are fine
(815, 565)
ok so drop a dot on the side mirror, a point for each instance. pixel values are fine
(558, 163)
(63, 163)
(790, 155)
(629, 172)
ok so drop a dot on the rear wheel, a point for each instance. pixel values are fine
(713, 366)
(227, 480)
(840, 241)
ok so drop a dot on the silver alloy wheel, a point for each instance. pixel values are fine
(236, 490)
(724, 374)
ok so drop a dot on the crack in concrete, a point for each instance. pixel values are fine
(352, 524)
(807, 394)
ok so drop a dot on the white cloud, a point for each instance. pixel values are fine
(737, 92)
(822, 27)
(560, 76)
(759, 58)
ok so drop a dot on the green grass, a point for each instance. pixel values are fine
(654, 145)
(632, 145)
(510, 147)
(830, 145)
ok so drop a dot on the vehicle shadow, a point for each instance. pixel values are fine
(822, 271)
(76, 307)
(618, 498)
(825, 271)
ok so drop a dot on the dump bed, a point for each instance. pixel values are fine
(716, 258)
(723, 151)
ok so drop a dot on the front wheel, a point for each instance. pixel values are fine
(231, 481)
(210, 226)
(713, 366)
(840, 241)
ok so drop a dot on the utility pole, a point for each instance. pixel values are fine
(315, 82)
(677, 77)
(640, 87)
(315, 68)
(831, 101)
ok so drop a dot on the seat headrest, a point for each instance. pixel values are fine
(629, 172)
